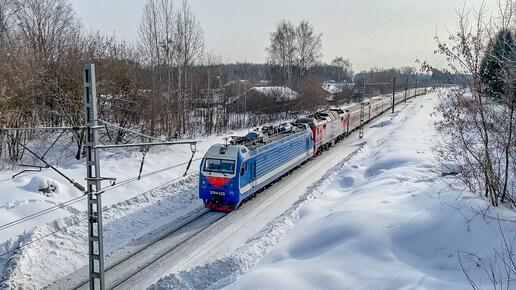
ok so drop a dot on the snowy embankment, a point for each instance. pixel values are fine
(53, 244)
(385, 219)
(58, 248)
(388, 221)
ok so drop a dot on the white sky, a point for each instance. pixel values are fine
(383, 33)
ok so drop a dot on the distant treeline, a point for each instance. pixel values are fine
(323, 72)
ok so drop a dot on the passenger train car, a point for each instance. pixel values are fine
(231, 172)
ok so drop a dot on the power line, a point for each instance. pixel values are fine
(80, 198)
(75, 184)
(31, 173)
(132, 179)
(41, 238)
(130, 131)
(41, 212)
(63, 228)
(161, 185)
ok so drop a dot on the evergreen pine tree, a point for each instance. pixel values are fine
(495, 69)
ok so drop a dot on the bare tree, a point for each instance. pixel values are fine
(189, 50)
(47, 26)
(168, 19)
(481, 127)
(343, 69)
(150, 34)
(5, 21)
(309, 47)
(156, 43)
(282, 50)
(156, 32)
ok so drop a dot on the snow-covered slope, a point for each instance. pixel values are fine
(382, 219)
(54, 244)
(387, 221)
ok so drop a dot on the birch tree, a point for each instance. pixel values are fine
(294, 49)
(5, 11)
(189, 50)
(156, 42)
(282, 50)
(309, 47)
(343, 69)
(156, 31)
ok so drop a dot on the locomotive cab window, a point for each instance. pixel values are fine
(243, 169)
(219, 165)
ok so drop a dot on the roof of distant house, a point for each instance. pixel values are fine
(334, 87)
(279, 93)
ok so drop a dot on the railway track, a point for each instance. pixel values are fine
(158, 249)
(130, 260)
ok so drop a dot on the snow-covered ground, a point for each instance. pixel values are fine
(279, 93)
(387, 220)
(132, 209)
(58, 230)
(382, 219)
(334, 87)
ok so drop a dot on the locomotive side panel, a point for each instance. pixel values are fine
(279, 159)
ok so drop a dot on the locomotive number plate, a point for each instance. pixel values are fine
(221, 193)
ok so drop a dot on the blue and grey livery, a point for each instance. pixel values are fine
(231, 173)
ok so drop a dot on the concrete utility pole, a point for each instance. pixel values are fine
(362, 107)
(415, 90)
(406, 87)
(361, 128)
(393, 92)
(95, 236)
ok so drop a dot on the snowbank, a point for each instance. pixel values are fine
(44, 185)
(124, 223)
(55, 244)
(386, 222)
(385, 219)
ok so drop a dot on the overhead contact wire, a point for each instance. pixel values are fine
(63, 228)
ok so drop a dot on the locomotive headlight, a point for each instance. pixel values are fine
(204, 182)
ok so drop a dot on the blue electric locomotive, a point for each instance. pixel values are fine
(230, 173)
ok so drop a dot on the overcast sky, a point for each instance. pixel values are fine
(382, 33)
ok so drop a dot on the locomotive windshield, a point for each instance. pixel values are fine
(219, 165)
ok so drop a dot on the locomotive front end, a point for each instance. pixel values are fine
(218, 181)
